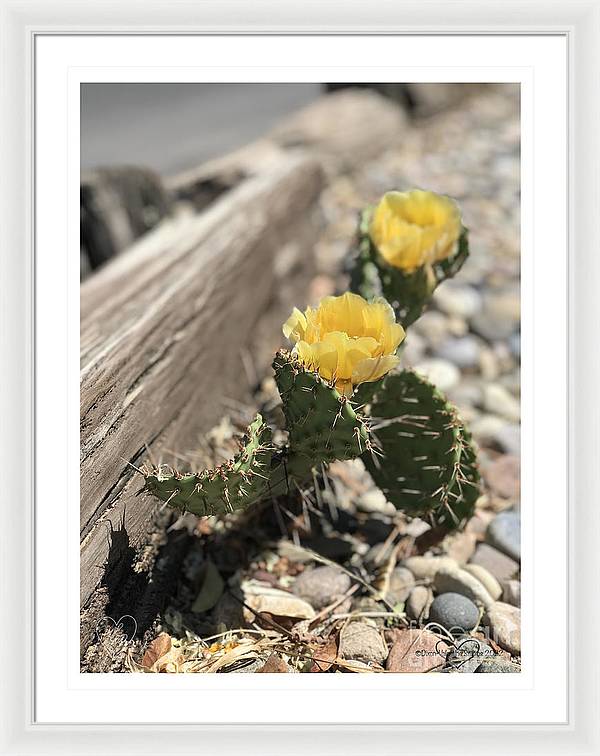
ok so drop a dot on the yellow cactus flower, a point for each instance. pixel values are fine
(415, 228)
(346, 339)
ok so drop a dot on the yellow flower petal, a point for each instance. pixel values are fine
(346, 339)
(295, 326)
(413, 228)
(373, 368)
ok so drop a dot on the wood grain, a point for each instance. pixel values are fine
(162, 331)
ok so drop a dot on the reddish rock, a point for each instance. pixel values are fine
(503, 476)
(416, 651)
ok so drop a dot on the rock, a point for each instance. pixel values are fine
(503, 476)
(486, 429)
(416, 651)
(512, 592)
(461, 581)
(500, 316)
(514, 344)
(413, 347)
(455, 612)
(504, 532)
(441, 373)
(433, 326)
(424, 567)
(477, 525)
(362, 642)
(321, 586)
(497, 664)
(501, 566)
(401, 584)
(508, 439)
(504, 622)
(455, 299)
(487, 580)
(460, 546)
(468, 654)
(498, 401)
(373, 501)
(463, 352)
(273, 601)
(418, 603)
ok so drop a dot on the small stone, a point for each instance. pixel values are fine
(504, 532)
(413, 348)
(477, 525)
(487, 428)
(416, 651)
(419, 601)
(504, 622)
(508, 439)
(321, 586)
(503, 476)
(423, 567)
(461, 581)
(362, 642)
(460, 546)
(463, 301)
(374, 501)
(498, 401)
(487, 580)
(273, 601)
(500, 316)
(512, 592)
(468, 654)
(463, 352)
(501, 566)
(433, 326)
(441, 373)
(401, 584)
(454, 612)
(497, 664)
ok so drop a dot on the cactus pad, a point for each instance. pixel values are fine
(232, 486)
(408, 293)
(428, 468)
(323, 425)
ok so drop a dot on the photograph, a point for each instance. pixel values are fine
(300, 348)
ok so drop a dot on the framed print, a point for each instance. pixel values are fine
(300, 389)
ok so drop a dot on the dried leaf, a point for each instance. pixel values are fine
(325, 655)
(274, 664)
(160, 646)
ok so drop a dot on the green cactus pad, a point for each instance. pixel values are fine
(322, 424)
(232, 486)
(428, 466)
(408, 293)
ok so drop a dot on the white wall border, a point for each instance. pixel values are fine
(581, 21)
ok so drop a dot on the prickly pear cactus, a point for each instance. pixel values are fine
(428, 466)
(323, 425)
(232, 486)
(408, 292)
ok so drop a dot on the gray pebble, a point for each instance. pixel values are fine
(401, 584)
(454, 611)
(321, 586)
(463, 352)
(363, 642)
(511, 593)
(461, 581)
(497, 664)
(419, 602)
(468, 654)
(502, 567)
(504, 532)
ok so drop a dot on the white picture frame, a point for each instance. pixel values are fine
(21, 22)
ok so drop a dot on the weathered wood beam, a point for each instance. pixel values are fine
(162, 332)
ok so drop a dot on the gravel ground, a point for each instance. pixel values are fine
(337, 580)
